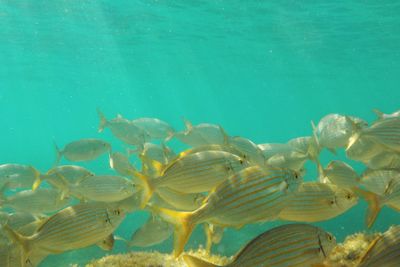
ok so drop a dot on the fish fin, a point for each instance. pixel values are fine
(38, 179)
(321, 172)
(374, 205)
(23, 241)
(370, 246)
(103, 120)
(188, 124)
(148, 188)
(58, 154)
(192, 261)
(314, 130)
(183, 226)
(225, 135)
(378, 113)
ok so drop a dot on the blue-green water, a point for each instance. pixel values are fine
(261, 69)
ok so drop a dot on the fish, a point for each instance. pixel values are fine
(334, 131)
(271, 149)
(287, 245)
(82, 150)
(18, 176)
(193, 172)
(181, 201)
(124, 130)
(62, 176)
(363, 148)
(314, 202)
(154, 231)
(121, 164)
(155, 128)
(340, 174)
(246, 148)
(201, 134)
(385, 132)
(17, 220)
(72, 228)
(306, 145)
(254, 194)
(40, 201)
(293, 160)
(153, 152)
(379, 188)
(384, 160)
(384, 250)
(103, 188)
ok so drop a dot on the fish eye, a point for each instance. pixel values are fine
(332, 202)
(296, 175)
(330, 237)
(348, 196)
(241, 161)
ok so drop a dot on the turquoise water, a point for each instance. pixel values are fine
(261, 69)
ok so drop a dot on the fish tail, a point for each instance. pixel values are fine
(148, 188)
(374, 205)
(103, 120)
(38, 179)
(183, 226)
(58, 154)
(23, 241)
(192, 261)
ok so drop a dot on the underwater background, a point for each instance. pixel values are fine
(261, 69)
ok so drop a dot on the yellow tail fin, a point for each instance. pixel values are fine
(183, 226)
(23, 241)
(192, 261)
(148, 188)
(374, 205)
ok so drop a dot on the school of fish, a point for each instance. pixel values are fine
(217, 181)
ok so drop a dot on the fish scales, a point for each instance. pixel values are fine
(76, 227)
(245, 193)
(283, 246)
(318, 202)
(199, 172)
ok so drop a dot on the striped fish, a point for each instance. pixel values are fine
(120, 163)
(194, 172)
(83, 150)
(154, 231)
(384, 251)
(291, 245)
(362, 148)
(385, 132)
(341, 174)
(104, 188)
(18, 176)
(384, 160)
(181, 201)
(315, 202)
(254, 194)
(62, 176)
(74, 227)
(42, 200)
